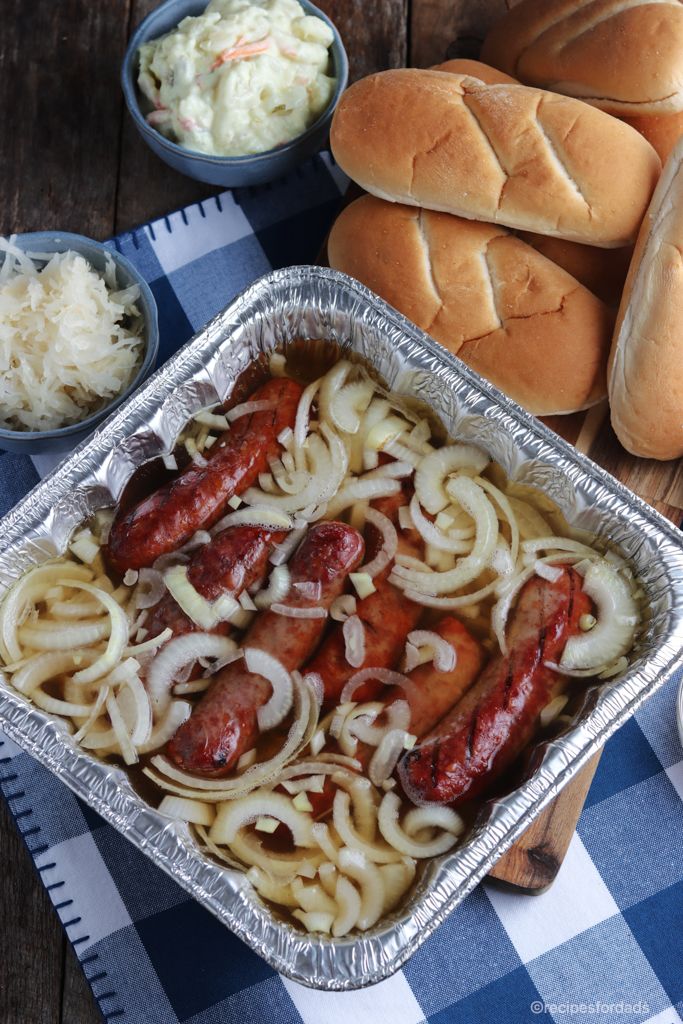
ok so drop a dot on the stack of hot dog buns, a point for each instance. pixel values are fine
(502, 216)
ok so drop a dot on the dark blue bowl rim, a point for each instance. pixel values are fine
(150, 315)
(129, 87)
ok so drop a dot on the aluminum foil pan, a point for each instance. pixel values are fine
(315, 303)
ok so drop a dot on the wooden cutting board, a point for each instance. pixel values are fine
(440, 31)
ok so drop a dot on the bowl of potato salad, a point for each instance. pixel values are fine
(237, 92)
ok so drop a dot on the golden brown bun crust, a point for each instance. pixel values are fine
(500, 153)
(645, 374)
(621, 55)
(489, 298)
(475, 69)
(601, 271)
(661, 132)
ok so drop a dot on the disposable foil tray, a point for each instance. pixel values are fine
(315, 303)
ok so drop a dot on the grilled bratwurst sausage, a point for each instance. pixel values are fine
(198, 496)
(232, 562)
(490, 726)
(223, 725)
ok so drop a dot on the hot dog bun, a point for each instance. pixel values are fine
(489, 298)
(645, 375)
(503, 153)
(601, 271)
(661, 132)
(621, 55)
(475, 69)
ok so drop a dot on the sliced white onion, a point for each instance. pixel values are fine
(282, 552)
(360, 723)
(167, 725)
(278, 587)
(236, 814)
(295, 612)
(150, 588)
(20, 597)
(58, 636)
(383, 675)
(118, 636)
(182, 809)
(443, 654)
(349, 904)
(551, 573)
(42, 667)
(123, 738)
(385, 758)
(361, 868)
(254, 515)
(85, 547)
(205, 614)
(328, 466)
(95, 713)
(553, 543)
(136, 710)
(178, 653)
(396, 470)
(314, 922)
(215, 421)
(313, 898)
(303, 414)
(397, 879)
(354, 641)
(348, 405)
(194, 453)
(278, 706)
(432, 535)
(342, 607)
(552, 710)
(476, 504)
(387, 552)
(341, 813)
(362, 490)
(437, 816)
(248, 408)
(435, 468)
(617, 615)
(310, 589)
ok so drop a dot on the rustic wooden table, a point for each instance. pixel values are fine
(72, 160)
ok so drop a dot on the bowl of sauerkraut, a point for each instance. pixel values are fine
(231, 92)
(78, 333)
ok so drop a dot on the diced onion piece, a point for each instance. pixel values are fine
(152, 644)
(330, 385)
(267, 825)
(436, 816)
(384, 432)
(436, 467)
(236, 814)
(302, 803)
(248, 409)
(308, 784)
(118, 636)
(246, 602)
(280, 702)
(246, 760)
(551, 573)
(85, 547)
(348, 906)
(282, 552)
(216, 421)
(271, 888)
(432, 534)
(442, 653)
(170, 462)
(405, 520)
(354, 641)
(362, 583)
(553, 709)
(397, 879)
(277, 364)
(191, 686)
(296, 612)
(131, 577)
(361, 868)
(343, 607)
(310, 589)
(278, 587)
(205, 614)
(182, 809)
(178, 653)
(617, 615)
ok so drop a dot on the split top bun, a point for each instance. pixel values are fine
(645, 376)
(506, 154)
(625, 56)
(500, 306)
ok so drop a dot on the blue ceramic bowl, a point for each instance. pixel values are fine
(228, 171)
(34, 442)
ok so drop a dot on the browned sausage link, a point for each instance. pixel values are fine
(223, 726)
(431, 695)
(198, 496)
(231, 562)
(495, 720)
(387, 616)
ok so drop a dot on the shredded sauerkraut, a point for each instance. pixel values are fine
(69, 341)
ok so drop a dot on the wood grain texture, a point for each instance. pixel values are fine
(31, 938)
(375, 35)
(534, 860)
(78, 1005)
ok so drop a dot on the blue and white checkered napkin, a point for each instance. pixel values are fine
(605, 942)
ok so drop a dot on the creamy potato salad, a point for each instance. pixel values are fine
(243, 77)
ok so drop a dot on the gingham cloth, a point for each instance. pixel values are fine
(605, 942)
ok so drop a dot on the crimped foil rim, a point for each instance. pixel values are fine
(314, 301)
